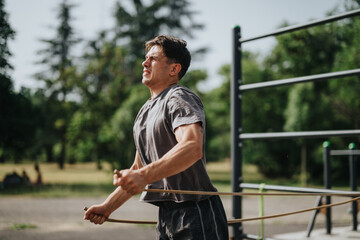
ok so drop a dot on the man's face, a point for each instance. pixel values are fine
(156, 70)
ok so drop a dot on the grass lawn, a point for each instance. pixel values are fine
(83, 179)
(72, 173)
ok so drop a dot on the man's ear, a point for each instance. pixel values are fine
(175, 69)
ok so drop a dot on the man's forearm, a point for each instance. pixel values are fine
(178, 159)
(117, 198)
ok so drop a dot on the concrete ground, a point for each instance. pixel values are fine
(61, 218)
(338, 233)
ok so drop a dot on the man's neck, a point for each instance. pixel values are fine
(156, 91)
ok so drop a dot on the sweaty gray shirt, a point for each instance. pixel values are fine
(154, 136)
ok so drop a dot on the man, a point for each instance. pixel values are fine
(169, 134)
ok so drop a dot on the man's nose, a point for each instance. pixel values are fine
(145, 63)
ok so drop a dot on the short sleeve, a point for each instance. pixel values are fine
(185, 107)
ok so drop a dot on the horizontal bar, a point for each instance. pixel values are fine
(305, 25)
(317, 77)
(309, 134)
(295, 189)
(345, 152)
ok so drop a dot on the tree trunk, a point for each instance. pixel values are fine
(49, 153)
(303, 173)
(62, 152)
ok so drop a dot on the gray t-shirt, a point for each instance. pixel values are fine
(154, 136)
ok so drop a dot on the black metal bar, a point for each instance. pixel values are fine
(305, 25)
(308, 134)
(345, 152)
(278, 188)
(313, 218)
(327, 183)
(236, 125)
(353, 184)
(317, 77)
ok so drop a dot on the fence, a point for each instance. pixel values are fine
(237, 89)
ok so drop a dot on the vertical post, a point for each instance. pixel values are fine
(236, 129)
(353, 184)
(327, 182)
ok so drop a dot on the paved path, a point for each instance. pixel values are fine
(61, 218)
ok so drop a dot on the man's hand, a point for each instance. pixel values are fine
(96, 214)
(131, 181)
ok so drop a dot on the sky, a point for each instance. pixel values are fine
(33, 20)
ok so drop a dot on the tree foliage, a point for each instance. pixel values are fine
(17, 121)
(323, 105)
(59, 78)
(86, 108)
(140, 22)
(110, 88)
(309, 106)
(217, 111)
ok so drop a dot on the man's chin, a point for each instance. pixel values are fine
(145, 81)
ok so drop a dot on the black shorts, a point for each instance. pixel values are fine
(204, 220)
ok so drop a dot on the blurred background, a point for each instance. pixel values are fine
(70, 88)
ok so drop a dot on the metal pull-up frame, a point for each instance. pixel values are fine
(237, 89)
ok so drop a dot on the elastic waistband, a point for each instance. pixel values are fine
(174, 205)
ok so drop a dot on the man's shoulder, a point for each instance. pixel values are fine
(181, 91)
(180, 95)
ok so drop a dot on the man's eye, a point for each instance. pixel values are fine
(151, 58)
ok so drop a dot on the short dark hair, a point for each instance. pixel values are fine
(174, 49)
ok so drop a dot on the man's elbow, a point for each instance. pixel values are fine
(197, 150)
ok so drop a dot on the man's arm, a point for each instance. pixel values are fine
(99, 213)
(184, 154)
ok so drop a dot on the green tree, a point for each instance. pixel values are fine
(140, 22)
(7, 33)
(343, 93)
(316, 105)
(262, 111)
(6, 92)
(103, 88)
(46, 136)
(110, 88)
(302, 53)
(16, 111)
(305, 110)
(116, 135)
(217, 111)
(61, 73)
